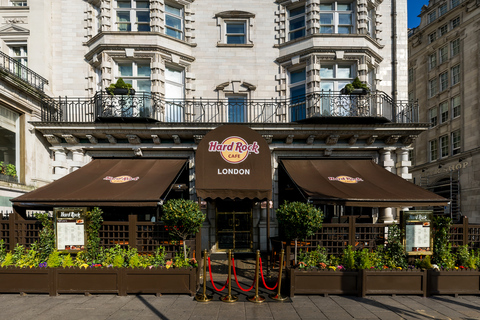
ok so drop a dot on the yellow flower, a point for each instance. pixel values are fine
(456, 268)
(84, 266)
(399, 268)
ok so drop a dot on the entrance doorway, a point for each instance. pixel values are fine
(234, 225)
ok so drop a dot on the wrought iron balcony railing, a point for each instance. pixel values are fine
(18, 70)
(146, 106)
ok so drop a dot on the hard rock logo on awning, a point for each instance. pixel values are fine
(345, 179)
(234, 149)
(120, 179)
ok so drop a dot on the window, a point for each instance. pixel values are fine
(444, 146)
(235, 32)
(296, 23)
(444, 112)
(336, 17)
(454, 47)
(454, 3)
(133, 15)
(443, 54)
(443, 30)
(432, 61)
(456, 106)
(135, 73)
(237, 107)
(174, 91)
(456, 142)
(443, 81)
(432, 87)
(18, 3)
(432, 16)
(297, 87)
(442, 9)
(455, 75)
(18, 52)
(174, 21)
(454, 23)
(410, 75)
(371, 24)
(10, 137)
(432, 37)
(433, 149)
(432, 115)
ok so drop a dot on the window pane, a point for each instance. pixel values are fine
(345, 18)
(173, 10)
(326, 86)
(297, 23)
(123, 16)
(143, 27)
(344, 7)
(143, 16)
(344, 72)
(297, 76)
(123, 4)
(326, 72)
(173, 91)
(326, 29)
(297, 11)
(143, 70)
(326, 7)
(174, 75)
(235, 39)
(173, 22)
(125, 69)
(143, 85)
(298, 91)
(326, 18)
(142, 4)
(344, 30)
(174, 33)
(235, 28)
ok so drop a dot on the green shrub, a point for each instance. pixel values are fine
(466, 258)
(67, 261)
(314, 258)
(54, 260)
(424, 263)
(158, 258)
(364, 259)
(94, 223)
(8, 261)
(394, 250)
(46, 242)
(348, 258)
(3, 250)
(441, 249)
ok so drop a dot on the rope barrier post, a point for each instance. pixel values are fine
(277, 296)
(229, 297)
(256, 298)
(204, 297)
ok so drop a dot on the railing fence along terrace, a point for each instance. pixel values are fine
(17, 69)
(147, 236)
(104, 106)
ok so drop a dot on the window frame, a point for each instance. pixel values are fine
(135, 77)
(432, 37)
(432, 61)
(442, 9)
(433, 149)
(228, 22)
(454, 3)
(456, 141)
(298, 106)
(456, 107)
(240, 112)
(181, 17)
(132, 11)
(455, 71)
(444, 146)
(336, 13)
(455, 22)
(291, 18)
(454, 47)
(443, 109)
(443, 79)
(433, 116)
(443, 54)
(432, 16)
(443, 30)
(432, 87)
(174, 112)
(18, 3)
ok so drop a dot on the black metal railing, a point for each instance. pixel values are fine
(21, 72)
(104, 106)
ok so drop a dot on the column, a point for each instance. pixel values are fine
(59, 162)
(385, 215)
(77, 159)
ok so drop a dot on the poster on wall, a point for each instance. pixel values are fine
(70, 229)
(418, 232)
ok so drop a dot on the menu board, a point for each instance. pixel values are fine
(418, 239)
(70, 228)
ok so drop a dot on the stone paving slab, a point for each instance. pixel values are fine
(183, 307)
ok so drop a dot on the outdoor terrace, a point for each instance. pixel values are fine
(103, 107)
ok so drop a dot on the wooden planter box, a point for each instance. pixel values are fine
(453, 282)
(324, 282)
(394, 282)
(120, 281)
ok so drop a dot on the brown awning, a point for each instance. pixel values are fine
(358, 183)
(233, 161)
(108, 182)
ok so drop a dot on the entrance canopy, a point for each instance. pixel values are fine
(108, 182)
(357, 183)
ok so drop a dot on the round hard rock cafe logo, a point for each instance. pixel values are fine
(233, 149)
(120, 179)
(345, 179)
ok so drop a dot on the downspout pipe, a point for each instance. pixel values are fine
(394, 56)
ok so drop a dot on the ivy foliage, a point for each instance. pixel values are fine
(94, 223)
(46, 242)
(394, 249)
(442, 249)
(182, 218)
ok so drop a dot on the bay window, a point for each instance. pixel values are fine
(296, 23)
(174, 21)
(137, 73)
(336, 17)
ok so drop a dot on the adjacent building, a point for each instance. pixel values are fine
(443, 77)
(274, 70)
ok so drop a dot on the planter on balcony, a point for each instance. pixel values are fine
(394, 282)
(354, 91)
(324, 282)
(121, 91)
(119, 281)
(455, 282)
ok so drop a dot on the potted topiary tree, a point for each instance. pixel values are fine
(299, 220)
(182, 218)
(120, 88)
(356, 87)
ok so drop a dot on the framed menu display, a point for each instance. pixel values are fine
(70, 229)
(418, 232)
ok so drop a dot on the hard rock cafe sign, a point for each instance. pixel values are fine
(345, 179)
(234, 149)
(120, 179)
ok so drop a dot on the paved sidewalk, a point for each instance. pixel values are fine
(182, 307)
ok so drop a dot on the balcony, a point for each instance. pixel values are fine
(146, 107)
(19, 71)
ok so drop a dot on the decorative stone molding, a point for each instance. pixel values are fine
(176, 139)
(71, 139)
(133, 139)
(111, 139)
(371, 139)
(353, 139)
(138, 152)
(392, 139)
(268, 138)
(156, 139)
(52, 139)
(408, 140)
(92, 139)
(328, 152)
(289, 139)
(310, 139)
(198, 137)
(332, 139)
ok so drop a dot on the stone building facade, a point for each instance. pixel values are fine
(444, 78)
(277, 67)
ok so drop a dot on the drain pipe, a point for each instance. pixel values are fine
(394, 54)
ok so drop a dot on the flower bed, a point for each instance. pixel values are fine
(121, 281)
(460, 281)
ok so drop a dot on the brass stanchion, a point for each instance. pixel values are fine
(277, 296)
(256, 298)
(229, 297)
(204, 297)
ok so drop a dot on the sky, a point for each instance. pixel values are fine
(413, 8)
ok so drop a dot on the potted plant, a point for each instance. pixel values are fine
(356, 87)
(120, 88)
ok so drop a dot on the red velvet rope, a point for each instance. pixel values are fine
(261, 272)
(211, 278)
(238, 284)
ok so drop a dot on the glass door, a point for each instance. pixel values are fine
(234, 231)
